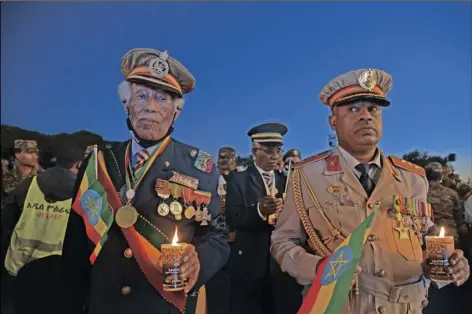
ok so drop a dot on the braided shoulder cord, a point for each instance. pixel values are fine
(313, 240)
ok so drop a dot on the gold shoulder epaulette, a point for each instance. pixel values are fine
(401, 163)
(311, 159)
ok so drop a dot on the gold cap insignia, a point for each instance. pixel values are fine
(159, 66)
(368, 79)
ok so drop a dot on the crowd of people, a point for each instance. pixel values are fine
(85, 236)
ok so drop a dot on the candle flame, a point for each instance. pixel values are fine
(442, 232)
(175, 239)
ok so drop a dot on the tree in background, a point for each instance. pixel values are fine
(451, 180)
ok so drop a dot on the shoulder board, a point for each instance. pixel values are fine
(408, 166)
(311, 159)
(203, 160)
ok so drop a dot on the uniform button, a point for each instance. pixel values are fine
(381, 273)
(240, 252)
(128, 253)
(377, 203)
(424, 303)
(382, 309)
(126, 290)
(370, 205)
(371, 238)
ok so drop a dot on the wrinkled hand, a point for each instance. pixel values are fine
(356, 273)
(270, 205)
(459, 268)
(190, 267)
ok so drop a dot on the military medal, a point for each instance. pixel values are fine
(163, 209)
(189, 212)
(202, 199)
(176, 209)
(126, 216)
(404, 231)
(188, 196)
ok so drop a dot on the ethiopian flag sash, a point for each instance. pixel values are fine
(96, 202)
(332, 283)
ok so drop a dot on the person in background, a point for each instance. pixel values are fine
(26, 164)
(34, 222)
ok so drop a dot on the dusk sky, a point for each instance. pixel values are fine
(253, 62)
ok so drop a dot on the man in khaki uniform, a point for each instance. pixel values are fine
(26, 164)
(330, 194)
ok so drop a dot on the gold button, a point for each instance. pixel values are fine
(126, 290)
(128, 253)
(382, 309)
(371, 238)
(370, 205)
(381, 273)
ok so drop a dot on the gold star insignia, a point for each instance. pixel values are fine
(92, 205)
(336, 266)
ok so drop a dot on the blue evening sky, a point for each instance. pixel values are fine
(253, 62)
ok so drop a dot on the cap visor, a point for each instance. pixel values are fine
(379, 100)
(153, 84)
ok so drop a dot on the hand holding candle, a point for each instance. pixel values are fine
(172, 256)
(445, 263)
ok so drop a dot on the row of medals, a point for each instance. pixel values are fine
(176, 209)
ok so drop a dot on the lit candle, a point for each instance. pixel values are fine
(172, 257)
(439, 249)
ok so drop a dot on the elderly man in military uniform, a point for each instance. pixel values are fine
(330, 194)
(161, 189)
(254, 196)
(26, 164)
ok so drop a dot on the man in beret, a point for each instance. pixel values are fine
(158, 189)
(34, 222)
(26, 164)
(336, 191)
(290, 158)
(253, 198)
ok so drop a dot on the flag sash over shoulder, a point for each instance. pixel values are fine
(97, 191)
(332, 283)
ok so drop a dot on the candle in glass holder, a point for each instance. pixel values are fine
(439, 249)
(172, 255)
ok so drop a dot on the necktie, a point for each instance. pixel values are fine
(142, 157)
(268, 179)
(367, 183)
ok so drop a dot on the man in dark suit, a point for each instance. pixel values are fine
(253, 197)
(165, 186)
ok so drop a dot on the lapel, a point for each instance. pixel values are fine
(255, 178)
(347, 175)
(388, 180)
(119, 153)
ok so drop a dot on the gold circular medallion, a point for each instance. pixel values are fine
(178, 217)
(189, 212)
(163, 209)
(175, 208)
(126, 216)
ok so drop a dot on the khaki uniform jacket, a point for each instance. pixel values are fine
(391, 280)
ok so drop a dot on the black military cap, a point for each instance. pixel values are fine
(268, 133)
(292, 153)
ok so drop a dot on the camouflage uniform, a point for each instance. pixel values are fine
(15, 177)
(448, 209)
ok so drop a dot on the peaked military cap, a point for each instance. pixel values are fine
(156, 69)
(359, 84)
(26, 146)
(268, 133)
(292, 153)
